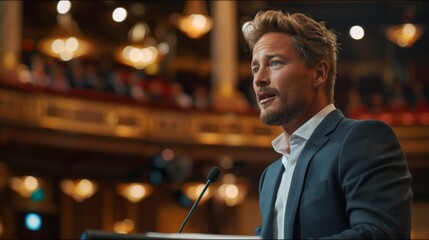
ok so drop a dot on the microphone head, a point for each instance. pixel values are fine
(213, 174)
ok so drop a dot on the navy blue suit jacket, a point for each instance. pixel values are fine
(350, 181)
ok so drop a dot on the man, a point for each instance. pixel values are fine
(337, 177)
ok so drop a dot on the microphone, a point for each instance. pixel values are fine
(211, 178)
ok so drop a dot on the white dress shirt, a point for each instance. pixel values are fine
(290, 147)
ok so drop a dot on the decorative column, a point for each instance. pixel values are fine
(224, 57)
(10, 32)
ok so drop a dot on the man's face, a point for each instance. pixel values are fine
(282, 83)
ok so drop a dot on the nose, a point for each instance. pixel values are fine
(260, 78)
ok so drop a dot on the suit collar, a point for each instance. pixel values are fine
(316, 141)
(328, 124)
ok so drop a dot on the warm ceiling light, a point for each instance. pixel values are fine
(66, 40)
(63, 6)
(357, 32)
(231, 191)
(25, 185)
(119, 14)
(193, 191)
(124, 227)
(79, 189)
(195, 21)
(141, 51)
(134, 192)
(404, 35)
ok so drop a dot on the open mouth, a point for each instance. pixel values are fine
(266, 97)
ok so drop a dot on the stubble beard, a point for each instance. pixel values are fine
(276, 114)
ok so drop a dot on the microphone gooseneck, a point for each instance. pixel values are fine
(213, 174)
(211, 178)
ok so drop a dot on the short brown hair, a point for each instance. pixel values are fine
(311, 39)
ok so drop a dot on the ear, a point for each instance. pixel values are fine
(321, 69)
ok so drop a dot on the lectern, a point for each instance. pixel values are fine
(104, 235)
(91, 234)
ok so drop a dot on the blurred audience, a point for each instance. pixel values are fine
(93, 79)
(77, 74)
(137, 88)
(398, 100)
(369, 95)
(157, 90)
(59, 80)
(201, 98)
(180, 98)
(354, 107)
(38, 72)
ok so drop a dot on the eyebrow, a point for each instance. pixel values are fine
(267, 57)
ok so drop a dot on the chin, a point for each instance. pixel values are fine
(269, 119)
(273, 116)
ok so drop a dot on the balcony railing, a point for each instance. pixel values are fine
(98, 117)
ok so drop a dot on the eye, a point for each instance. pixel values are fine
(274, 63)
(255, 70)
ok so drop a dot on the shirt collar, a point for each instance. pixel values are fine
(281, 143)
(308, 127)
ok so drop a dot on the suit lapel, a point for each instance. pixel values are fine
(272, 177)
(316, 141)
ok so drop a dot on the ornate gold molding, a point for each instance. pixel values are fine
(141, 122)
(49, 111)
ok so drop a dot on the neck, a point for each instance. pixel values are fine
(315, 106)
